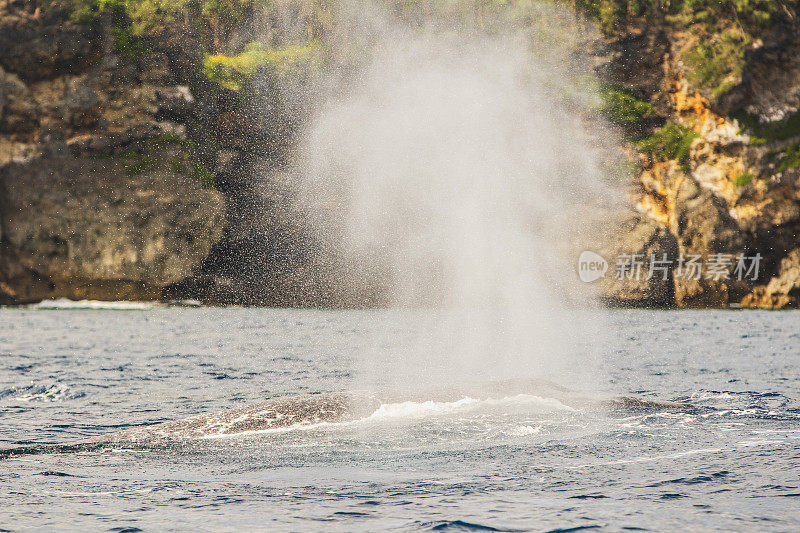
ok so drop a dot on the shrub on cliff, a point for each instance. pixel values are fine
(233, 71)
(761, 133)
(144, 15)
(623, 107)
(716, 63)
(790, 159)
(751, 15)
(743, 179)
(717, 33)
(214, 18)
(672, 141)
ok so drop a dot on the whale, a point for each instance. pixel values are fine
(297, 411)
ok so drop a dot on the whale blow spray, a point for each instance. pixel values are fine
(451, 167)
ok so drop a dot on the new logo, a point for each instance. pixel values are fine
(591, 266)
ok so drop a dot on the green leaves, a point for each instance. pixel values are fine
(623, 107)
(234, 71)
(672, 141)
(717, 62)
(743, 179)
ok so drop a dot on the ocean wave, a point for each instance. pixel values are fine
(39, 393)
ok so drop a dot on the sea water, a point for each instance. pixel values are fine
(516, 463)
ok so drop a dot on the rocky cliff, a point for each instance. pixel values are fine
(104, 194)
(708, 95)
(144, 146)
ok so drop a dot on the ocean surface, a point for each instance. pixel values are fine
(522, 462)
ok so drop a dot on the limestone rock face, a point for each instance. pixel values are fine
(634, 60)
(88, 230)
(729, 195)
(708, 218)
(103, 193)
(18, 110)
(773, 83)
(702, 227)
(640, 236)
(131, 173)
(783, 290)
(127, 172)
(39, 44)
(718, 158)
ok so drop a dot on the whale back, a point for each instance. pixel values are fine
(304, 410)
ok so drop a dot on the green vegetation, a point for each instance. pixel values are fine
(623, 107)
(127, 44)
(216, 19)
(143, 165)
(200, 173)
(146, 15)
(170, 152)
(721, 31)
(761, 134)
(141, 15)
(226, 13)
(790, 159)
(743, 179)
(752, 15)
(186, 160)
(715, 63)
(182, 163)
(672, 141)
(169, 137)
(235, 71)
(130, 19)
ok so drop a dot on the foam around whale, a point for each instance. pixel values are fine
(313, 410)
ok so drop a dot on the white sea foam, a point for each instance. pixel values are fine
(65, 303)
(39, 393)
(431, 408)
(421, 410)
(524, 430)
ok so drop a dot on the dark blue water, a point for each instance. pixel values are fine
(515, 463)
